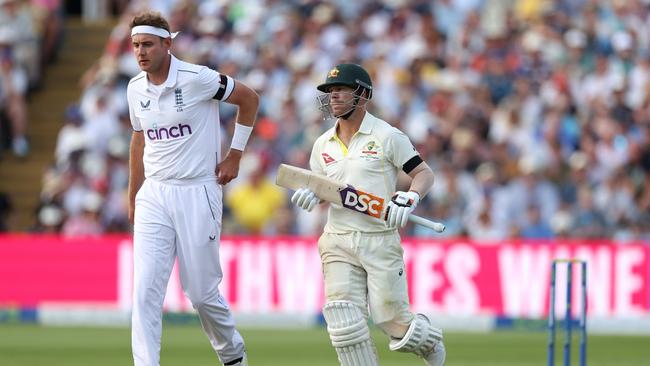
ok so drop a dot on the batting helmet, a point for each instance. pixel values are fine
(351, 75)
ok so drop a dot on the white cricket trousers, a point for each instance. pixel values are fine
(368, 269)
(179, 220)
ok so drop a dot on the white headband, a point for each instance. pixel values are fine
(147, 29)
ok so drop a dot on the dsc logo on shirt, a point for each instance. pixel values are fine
(362, 202)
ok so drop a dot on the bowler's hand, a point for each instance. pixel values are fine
(228, 168)
(400, 207)
(305, 199)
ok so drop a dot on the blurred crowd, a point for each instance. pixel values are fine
(534, 114)
(29, 34)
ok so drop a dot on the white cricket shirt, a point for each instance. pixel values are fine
(180, 121)
(371, 162)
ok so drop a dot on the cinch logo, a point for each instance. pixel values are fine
(362, 202)
(164, 133)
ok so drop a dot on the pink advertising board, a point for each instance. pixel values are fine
(283, 275)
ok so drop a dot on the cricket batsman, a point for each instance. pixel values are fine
(362, 256)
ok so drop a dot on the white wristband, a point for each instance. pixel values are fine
(240, 136)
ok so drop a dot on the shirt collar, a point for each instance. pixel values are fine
(367, 124)
(172, 75)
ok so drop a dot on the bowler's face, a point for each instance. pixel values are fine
(150, 51)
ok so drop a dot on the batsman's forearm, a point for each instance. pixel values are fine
(136, 165)
(422, 181)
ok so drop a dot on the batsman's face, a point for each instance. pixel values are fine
(150, 51)
(341, 99)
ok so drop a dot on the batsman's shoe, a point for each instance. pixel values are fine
(437, 356)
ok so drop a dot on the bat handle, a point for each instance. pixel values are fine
(435, 226)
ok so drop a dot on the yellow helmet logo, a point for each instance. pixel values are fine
(333, 73)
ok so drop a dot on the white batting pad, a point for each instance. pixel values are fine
(349, 333)
(422, 339)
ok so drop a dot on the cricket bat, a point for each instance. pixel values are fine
(333, 191)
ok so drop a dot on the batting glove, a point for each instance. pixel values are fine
(400, 206)
(305, 199)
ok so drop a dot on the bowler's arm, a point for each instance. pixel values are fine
(136, 169)
(247, 102)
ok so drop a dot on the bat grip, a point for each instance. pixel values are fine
(435, 226)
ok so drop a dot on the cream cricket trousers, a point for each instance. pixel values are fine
(367, 269)
(181, 221)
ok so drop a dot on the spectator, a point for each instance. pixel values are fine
(531, 187)
(482, 227)
(535, 227)
(50, 219)
(13, 88)
(255, 202)
(87, 222)
(588, 222)
(17, 16)
(620, 112)
(48, 16)
(114, 217)
(71, 137)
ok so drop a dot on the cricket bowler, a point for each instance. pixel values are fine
(175, 187)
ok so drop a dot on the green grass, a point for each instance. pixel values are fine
(28, 345)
